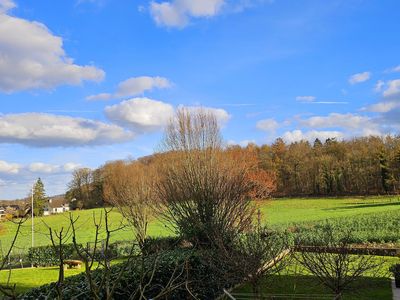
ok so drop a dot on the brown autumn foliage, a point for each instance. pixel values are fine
(263, 181)
(202, 192)
(130, 187)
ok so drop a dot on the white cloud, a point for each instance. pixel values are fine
(379, 86)
(221, 114)
(305, 98)
(47, 130)
(393, 89)
(359, 77)
(393, 70)
(383, 107)
(269, 125)
(334, 120)
(134, 86)
(140, 114)
(31, 57)
(177, 13)
(298, 135)
(101, 97)
(39, 167)
(243, 143)
(69, 167)
(9, 168)
(137, 85)
(6, 5)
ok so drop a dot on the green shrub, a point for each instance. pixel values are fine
(44, 256)
(156, 244)
(395, 270)
(206, 275)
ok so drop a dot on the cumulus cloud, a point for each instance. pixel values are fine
(9, 168)
(177, 13)
(137, 85)
(393, 89)
(349, 121)
(359, 77)
(6, 5)
(305, 98)
(243, 143)
(379, 86)
(393, 70)
(140, 114)
(134, 86)
(221, 114)
(299, 135)
(350, 125)
(31, 57)
(69, 167)
(45, 168)
(269, 125)
(383, 107)
(39, 167)
(47, 130)
(99, 97)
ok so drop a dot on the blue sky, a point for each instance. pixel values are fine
(83, 82)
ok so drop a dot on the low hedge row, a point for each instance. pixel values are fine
(44, 256)
(205, 274)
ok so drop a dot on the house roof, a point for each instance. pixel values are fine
(58, 202)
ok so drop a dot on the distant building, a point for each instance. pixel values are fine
(56, 206)
(2, 212)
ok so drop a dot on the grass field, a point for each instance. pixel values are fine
(274, 212)
(278, 212)
(295, 280)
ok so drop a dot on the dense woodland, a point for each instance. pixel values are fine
(361, 166)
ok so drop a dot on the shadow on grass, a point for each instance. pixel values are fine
(363, 205)
(367, 288)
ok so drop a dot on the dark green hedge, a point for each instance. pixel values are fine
(49, 256)
(45, 256)
(207, 275)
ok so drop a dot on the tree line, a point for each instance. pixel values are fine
(360, 166)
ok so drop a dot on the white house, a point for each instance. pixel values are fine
(2, 212)
(56, 206)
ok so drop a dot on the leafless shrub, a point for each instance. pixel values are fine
(8, 289)
(130, 187)
(203, 193)
(334, 264)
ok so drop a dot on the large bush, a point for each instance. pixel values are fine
(49, 256)
(205, 273)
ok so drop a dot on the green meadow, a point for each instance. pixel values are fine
(281, 212)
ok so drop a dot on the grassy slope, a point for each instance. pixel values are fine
(296, 280)
(278, 211)
(84, 226)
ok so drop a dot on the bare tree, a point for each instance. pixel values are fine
(58, 240)
(105, 285)
(130, 187)
(203, 193)
(8, 289)
(265, 253)
(331, 260)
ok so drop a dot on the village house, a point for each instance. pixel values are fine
(2, 212)
(56, 205)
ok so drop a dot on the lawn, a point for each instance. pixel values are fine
(28, 278)
(274, 212)
(295, 280)
(368, 288)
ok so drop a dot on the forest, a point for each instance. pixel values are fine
(356, 167)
